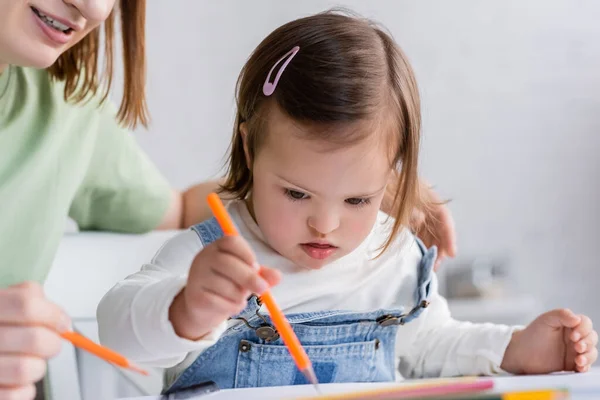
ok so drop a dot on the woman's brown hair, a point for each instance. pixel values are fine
(348, 70)
(78, 67)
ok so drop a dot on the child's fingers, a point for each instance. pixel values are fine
(588, 342)
(209, 300)
(225, 287)
(561, 318)
(238, 247)
(272, 276)
(238, 272)
(592, 356)
(582, 330)
(586, 359)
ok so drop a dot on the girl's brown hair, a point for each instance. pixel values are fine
(78, 67)
(348, 71)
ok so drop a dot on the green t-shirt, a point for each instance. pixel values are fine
(59, 159)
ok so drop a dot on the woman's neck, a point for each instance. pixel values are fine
(4, 66)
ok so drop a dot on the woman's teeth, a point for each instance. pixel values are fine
(52, 23)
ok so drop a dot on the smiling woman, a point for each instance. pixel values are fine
(65, 36)
(65, 151)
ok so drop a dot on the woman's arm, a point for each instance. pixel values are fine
(433, 223)
(189, 207)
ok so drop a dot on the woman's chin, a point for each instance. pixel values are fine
(39, 57)
(44, 62)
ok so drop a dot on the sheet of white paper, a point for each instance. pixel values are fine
(583, 387)
(281, 392)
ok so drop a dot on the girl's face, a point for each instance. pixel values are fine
(35, 33)
(315, 204)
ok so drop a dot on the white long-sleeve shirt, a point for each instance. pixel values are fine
(133, 316)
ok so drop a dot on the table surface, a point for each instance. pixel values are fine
(582, 386)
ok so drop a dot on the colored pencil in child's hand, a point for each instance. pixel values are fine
(103, 352)
(281, 323)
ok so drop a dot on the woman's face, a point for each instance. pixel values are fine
(34, 33)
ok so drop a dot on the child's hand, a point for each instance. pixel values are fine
(221, 278)
(556, 341)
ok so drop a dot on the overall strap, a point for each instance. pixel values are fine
(424, 278)
(208, 231)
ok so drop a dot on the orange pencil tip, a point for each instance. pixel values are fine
(139, 370)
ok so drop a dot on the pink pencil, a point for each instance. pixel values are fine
(427, 390)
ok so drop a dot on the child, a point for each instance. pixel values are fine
(328, 110)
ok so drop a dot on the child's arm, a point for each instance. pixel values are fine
(438, 345)
(133, 317)
(180, 302)
(556, 341)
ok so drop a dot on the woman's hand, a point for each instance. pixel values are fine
(29, 335)
(434, 225)
(430, 220)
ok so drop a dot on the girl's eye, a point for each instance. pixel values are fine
(295, 195)
(357, 202)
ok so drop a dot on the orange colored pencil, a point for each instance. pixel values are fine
(103, 352)
(281, 323)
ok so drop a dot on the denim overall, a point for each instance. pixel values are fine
(344, 346)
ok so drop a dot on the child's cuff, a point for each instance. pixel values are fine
(154, 330)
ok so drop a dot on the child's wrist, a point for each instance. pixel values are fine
(182, 321)
(512, 355)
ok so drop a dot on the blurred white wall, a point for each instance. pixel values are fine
(511, 104)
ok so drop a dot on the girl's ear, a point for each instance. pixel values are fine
(244, 132)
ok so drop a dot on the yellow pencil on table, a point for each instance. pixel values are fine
(549, 394)
(453, 389)
(536, 395)
(281, 323)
